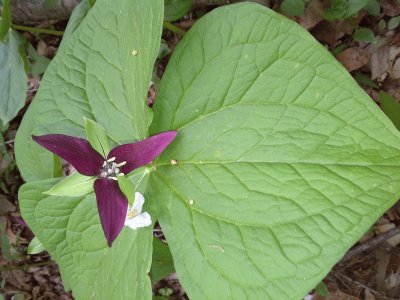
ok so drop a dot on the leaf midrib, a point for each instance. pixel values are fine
(163, 165)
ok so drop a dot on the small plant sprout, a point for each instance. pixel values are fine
(134, 216)
(112, 204)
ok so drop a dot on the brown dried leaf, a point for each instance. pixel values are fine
(312, 14)
(392, 87)
(379, 63)
(381, 228)
(325, 32)
(41, 48)
(394, 72)
(19, 279)
(390, 7)
(331, 32)
(384, 58)
(354, 58)
(6, 206)
(394, 241)
(392, 284)
(368, 295)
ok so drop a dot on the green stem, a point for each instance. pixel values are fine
(174, 28)
(37, 30)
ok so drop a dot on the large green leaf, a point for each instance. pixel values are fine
(13, 81)
(283, 161)
(69, 229)
(95, 75)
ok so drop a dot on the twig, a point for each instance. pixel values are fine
(27, 266)
(186, 23)
(372, 243)
(37, 30)
(7, 142)
(174, 28)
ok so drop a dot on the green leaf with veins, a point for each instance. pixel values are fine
(13, 80)
(394, 23)
(363, 34)
(95, 75)
(127, 188)
(373, 7)
(97, 137)
(77, 16)
(343, 9)
(35, 246)
(72, 186)
(69, 228)
(283, 160)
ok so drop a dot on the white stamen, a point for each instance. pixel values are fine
(120, 174)
(104, 164)
(112, 177)
(121, 164)
(116, 170)
(111, 159)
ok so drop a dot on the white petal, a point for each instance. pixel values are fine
(138, 204)
(141, 220)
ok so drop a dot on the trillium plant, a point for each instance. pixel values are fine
(106, 168)
(261, 159)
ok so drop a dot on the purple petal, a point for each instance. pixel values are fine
(141, 153)
(76, 151)
(112, 206)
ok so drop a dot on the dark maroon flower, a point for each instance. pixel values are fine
(111, 202)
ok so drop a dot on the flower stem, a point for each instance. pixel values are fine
(174, 28)
(37, 30)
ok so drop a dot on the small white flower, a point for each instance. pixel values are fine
(134, 216)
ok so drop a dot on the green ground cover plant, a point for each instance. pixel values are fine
(280, 164)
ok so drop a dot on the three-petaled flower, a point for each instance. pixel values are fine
(112, 204)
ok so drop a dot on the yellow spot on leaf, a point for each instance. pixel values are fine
(218, 247)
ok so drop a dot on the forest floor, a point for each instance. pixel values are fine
(371, 270)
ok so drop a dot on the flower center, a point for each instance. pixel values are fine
(131, 214)
(110, 169)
